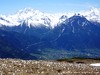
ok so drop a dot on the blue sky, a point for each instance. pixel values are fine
(49, 6)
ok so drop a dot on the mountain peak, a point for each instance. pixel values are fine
(77, 16)
(28, 10)
(94, 9)
(76, 20)
(93, 14)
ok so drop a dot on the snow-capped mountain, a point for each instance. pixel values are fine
(35, 17)
(31, 17)
(92, 14)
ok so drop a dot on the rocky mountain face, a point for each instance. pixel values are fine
(77, 32)
(31, 34)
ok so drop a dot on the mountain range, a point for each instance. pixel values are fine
(31, 34)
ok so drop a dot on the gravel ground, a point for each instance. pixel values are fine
(33, 67)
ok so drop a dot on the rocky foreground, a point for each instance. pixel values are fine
(33, 67)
